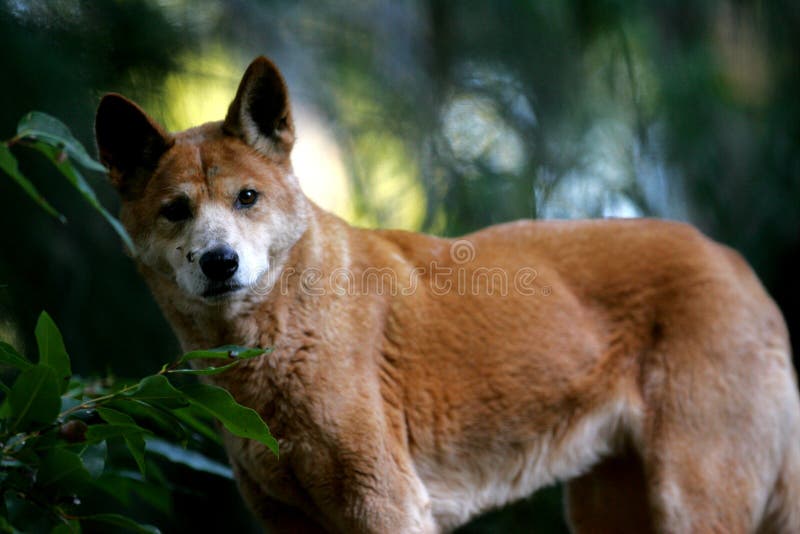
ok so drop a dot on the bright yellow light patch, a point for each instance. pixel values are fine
(201, 91)
(318, 164)
(393, 194)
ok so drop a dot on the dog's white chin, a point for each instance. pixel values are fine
(236, 289)
(221, 293)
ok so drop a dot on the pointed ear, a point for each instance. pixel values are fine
(129, 142)
(260, 114)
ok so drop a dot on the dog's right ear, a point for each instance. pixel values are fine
(260, 113)
(129, 142)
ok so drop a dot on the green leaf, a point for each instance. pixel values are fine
(239, 420)
(76, 179)
(210, 370)
(71, 527)
(94, 458)
(124, 485)
(133, 440)
(9, 356)
(200, 421)
(98, 433)
(157, 389)
(8, 163)
(115, 417)
(5, 409)
(34, 397)
(193, 459)
(120, 521)
(132, 435)
(38, 125)
(24, 515)
(52, 352)
(62, 468)
(160, 421)
(226, 351)
(5, 526)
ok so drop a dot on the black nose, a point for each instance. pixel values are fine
(219, 264)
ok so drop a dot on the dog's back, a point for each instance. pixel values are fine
(635, 338)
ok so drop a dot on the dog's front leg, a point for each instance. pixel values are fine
(274, 515)
(368, 485)
(384, 496)
(278, 518)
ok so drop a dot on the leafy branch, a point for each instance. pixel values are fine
(52, 138)
(51, 422)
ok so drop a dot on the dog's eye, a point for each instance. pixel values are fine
(246, 198)
(176, 211)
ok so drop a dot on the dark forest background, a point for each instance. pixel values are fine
(440, 116)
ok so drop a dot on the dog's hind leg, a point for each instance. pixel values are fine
(783, 509)
(715, 436)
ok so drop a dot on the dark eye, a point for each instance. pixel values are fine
(176, 211)
(246, 198)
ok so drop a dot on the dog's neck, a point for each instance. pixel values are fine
(253, 318)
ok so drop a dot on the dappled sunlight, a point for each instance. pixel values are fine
(390, 184)
(200, 91)
(579, 195)
(476, 130)
(317, 163)
(618, 168)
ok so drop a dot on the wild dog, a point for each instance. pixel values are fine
(636, 360)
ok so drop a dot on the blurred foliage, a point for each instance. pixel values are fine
(62, 468)
(445, 116)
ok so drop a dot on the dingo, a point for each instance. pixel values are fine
(419, 381)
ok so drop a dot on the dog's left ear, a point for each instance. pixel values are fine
(130, 143)
(260, 114)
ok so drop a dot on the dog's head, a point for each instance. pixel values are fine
(214, 207)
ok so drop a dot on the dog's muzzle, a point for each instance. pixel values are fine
(219, 264)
